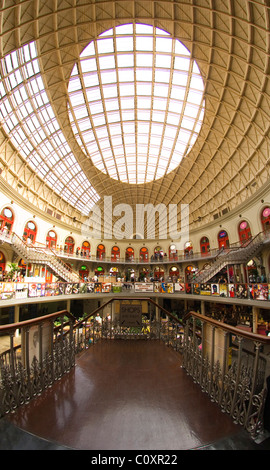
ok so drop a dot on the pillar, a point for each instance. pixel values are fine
(202, 307)
(17, 318)
(255, 316)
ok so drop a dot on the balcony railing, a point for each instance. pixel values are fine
(49, 344)
(229, 364)
(35, 289)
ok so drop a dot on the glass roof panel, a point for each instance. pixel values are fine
(29, 120)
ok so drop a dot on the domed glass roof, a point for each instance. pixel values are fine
(136, 102)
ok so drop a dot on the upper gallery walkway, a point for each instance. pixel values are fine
(124, 395)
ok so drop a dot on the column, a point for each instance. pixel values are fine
(202, 307)
(255, 316)
(16, 318)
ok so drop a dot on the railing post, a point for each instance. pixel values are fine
(202, 351)
(213, 328)
(254, 378)
(41, 355)
(186, 345)
(239, 359)
(194, 345)
(12, 356)
(27, 361)
(52, 350)
(225, 365)
(71, 344)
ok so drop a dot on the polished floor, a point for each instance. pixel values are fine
(124, 395)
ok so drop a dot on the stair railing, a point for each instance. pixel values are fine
(235, 255)
(34, 254)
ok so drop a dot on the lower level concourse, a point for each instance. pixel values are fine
(125, 396)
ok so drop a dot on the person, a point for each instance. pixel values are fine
(98, 319)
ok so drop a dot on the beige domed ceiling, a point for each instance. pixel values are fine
(93, 103)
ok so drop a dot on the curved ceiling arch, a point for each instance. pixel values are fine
(230, 44)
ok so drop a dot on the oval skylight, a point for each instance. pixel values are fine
(136, 102)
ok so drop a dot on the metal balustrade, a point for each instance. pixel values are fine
(45, 354)
(237, 253)
(229, 364)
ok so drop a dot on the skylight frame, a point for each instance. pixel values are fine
(144, 85)
(28, 119)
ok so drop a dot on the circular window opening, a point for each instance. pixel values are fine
(136, 102)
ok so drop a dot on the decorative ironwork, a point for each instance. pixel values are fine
(238, 383)
(229, 365)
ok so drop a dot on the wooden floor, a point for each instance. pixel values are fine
(126, 395)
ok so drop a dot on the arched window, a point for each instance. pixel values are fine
(265, 219)
(174, 273)
(113, 271)
(205, 245)
(190, 272)
(158, 252)
(30, 232)
(100, 252)
(99, 271)
(25, 268)
(188, 250)
(244, 231)
(69, 245)
(83, 272)
(51, 239)
(6, 220)
(173, 256)
(86, 249)
(129, 254)
(158, 273)
(143, 273)
(144, 254)
(252, 271)
(223, 240)
(115, 253)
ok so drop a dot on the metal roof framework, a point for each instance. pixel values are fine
(229, 40)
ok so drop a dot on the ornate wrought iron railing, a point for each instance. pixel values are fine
(168, 329)
(45, 354)
(229, 364)
(49, 345)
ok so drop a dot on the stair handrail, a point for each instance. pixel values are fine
(43, 251)
(225, 255)
(61, 262)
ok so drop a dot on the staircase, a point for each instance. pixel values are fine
(37, 255)
(239, 255)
